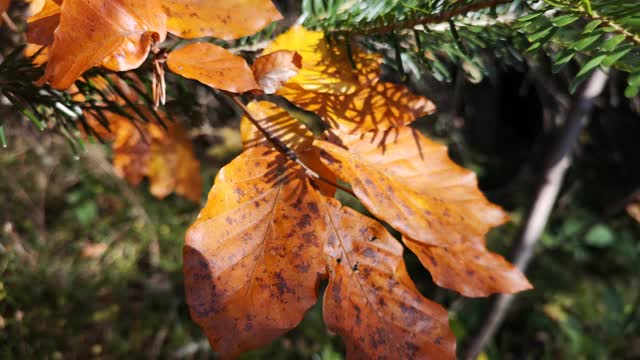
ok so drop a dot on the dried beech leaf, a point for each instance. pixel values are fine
(371, 301)
(278, 123)
(253, 258)
(375, 105)
(291, 132)
(274, 69)
(165, 156)
(227, 20)
(213, 66)
(409, 182)
(473, 271)
(347, 98)
(324, 69)
(118, 35)
(30, 50)
(43, 22)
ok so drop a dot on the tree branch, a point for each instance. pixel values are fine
(558, 161)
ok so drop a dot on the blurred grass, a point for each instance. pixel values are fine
(91, 268)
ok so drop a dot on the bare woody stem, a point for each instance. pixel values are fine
(558, 161)
(283, 148)
(377, 29)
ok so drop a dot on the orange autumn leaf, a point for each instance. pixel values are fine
(119, 36)
(371, 301)
(165, 156)
(325, 69)
(121, 32)
(274, 69)
(390, 173)
(227, 20)
(290, 132)
(278, 123)
(44, 19)
(253, 258)
(213, 66)
(351, 99)
(376, 105)
(409, 182)
(469, 269)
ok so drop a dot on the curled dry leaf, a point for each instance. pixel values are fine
(351, 99)
(253, 258)
(44, 19)
(376, 105)
(213, 66)
(274, 69)
(410, 182)
(121, 32)
(370, 300)
(119, 36)
(227, 20)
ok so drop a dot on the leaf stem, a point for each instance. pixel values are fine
(283, 148)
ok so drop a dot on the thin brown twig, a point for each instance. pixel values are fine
(558, 162)
(428, 19)
(283, 148)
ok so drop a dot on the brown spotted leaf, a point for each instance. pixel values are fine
(213, 66)
(410, 182)
(274, 69)
(471, 270)
(370, 300)
(116, 33)
(253, 258)
(227, 20)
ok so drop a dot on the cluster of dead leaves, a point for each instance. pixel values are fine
(269, 232)
(119, 37)
(146, 144)
(271, 228)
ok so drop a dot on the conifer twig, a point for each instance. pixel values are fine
(283, 148)
(376, 29)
